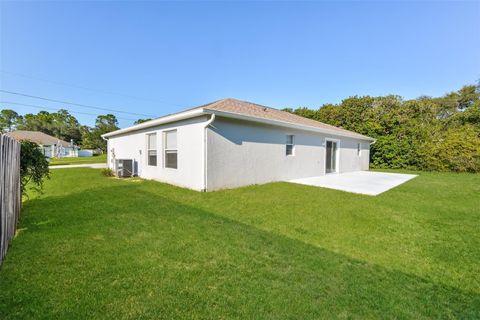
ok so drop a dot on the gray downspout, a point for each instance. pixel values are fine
(205, 177)
(108, 154)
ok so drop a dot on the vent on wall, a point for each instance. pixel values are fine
(124, 168)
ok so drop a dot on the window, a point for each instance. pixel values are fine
(152, 149)
(290, 145)
(358, 149)
(170, 149)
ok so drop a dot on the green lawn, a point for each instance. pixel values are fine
(97, 247)
(102, 158)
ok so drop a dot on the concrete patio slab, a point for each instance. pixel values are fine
(363, 182)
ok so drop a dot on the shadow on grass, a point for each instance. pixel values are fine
(122, 251)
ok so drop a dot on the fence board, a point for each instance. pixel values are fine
(10, 194)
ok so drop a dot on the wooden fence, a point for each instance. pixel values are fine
(10, 195)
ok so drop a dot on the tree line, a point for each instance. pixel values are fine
(427, 133)
(62, 125)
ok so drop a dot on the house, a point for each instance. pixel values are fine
(51, 146)
(231, 143)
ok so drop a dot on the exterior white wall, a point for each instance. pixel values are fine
(349, 159)
(69, 152)
(48, 151)
(190, 146)
(241, 153)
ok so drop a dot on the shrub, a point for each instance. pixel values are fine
(107, 172)
(441, 134)
(33, 166)
(455, 149)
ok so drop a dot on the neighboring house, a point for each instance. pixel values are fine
(51, 146)
(231, 143)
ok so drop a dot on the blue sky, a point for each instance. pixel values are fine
(160, 57)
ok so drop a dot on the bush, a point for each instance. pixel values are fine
(455, 149)
(33, 166)
(392, 152)
(441, 134)
(108, 172)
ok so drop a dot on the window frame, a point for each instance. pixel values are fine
(148, 149)
(165, 149)
(292, 144)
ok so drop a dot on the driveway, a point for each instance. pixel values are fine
(364, 182)
(89, 165)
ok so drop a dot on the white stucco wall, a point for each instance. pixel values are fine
(190, 145)
(242, 153)
(239, 153)
(349, 160)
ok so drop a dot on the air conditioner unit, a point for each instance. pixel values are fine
(124, 168)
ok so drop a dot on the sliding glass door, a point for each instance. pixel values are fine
(331, 157)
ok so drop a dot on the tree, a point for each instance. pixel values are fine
(42, 121)
(456, 149)
(141, 121)
(106, 123)
(9, 119)
(33, 166)
(65, 126)
(60, 124)
(424, 133)
(89, 139)
(92, 137)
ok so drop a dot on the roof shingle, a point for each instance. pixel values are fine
(255, 110)
(37, 137)
(249, 111)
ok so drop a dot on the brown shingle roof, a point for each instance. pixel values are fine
(258, 111)
(37, 137)
(248, 111)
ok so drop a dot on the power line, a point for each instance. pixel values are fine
(54, 109)
(90, 89)
(74, 104)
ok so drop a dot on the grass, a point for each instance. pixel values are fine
(102, 158)
(97, 247)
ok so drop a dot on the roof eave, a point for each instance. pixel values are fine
(239, 116)
(155, 122)
(200, 111)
